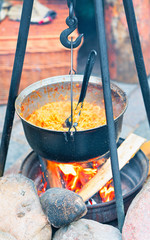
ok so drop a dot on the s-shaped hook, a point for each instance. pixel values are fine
(72, 22)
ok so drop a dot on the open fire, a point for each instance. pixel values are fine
(74, 176)
(92, 176)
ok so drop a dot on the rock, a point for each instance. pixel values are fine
(6, 236)
(62, 206)
(85, 229)
(20, 210)
(137, 220)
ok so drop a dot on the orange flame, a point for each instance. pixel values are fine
(107, 192)
(74, 176)
(43, 185)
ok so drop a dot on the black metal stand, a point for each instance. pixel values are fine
(138, 56)
(109, 110)
(15, 80)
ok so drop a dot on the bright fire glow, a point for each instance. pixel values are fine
(74, 176)
(107, 192)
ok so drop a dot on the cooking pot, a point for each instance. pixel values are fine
(65, 146)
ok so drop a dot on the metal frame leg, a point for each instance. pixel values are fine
(15, 80)
(138, 56)
(109, 110)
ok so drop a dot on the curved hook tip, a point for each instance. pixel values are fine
(66, 43)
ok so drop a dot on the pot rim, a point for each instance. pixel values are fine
(60, 79)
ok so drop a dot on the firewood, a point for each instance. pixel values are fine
(125, 152)
(53, 175)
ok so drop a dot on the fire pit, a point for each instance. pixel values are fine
(133, 176)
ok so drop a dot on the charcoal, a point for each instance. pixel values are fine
(62, 206)
(85, 229)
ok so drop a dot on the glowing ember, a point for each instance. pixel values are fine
(43, 185)
(74, 176)
(107, 192)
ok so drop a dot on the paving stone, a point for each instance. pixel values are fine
(143, 130)
(16, 151)
(127, 88)
(135, 112)
(2, 117)
(18, 133)
(126, 130)
(18, 144)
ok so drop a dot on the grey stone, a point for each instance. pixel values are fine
(62, 206)
(16, 151)
(135, 112)
(21, 213)
(85, 229)
(2, 116)
(6, 236)
(137, 220)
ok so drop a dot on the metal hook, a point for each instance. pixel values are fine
(71, 1)
(71, 21)
(65, 34)
(71, 133)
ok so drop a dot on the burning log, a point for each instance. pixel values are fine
(53, 175)
(125, 152)
(72, 176)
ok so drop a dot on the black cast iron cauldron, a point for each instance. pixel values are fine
(62, 146)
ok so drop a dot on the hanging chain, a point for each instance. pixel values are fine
(72, 128)
(71, 78)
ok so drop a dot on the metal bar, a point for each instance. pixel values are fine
(1, 4)
(44, 172)
(138, 56)
(109, 110)
(15, 80)
(71, 82)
